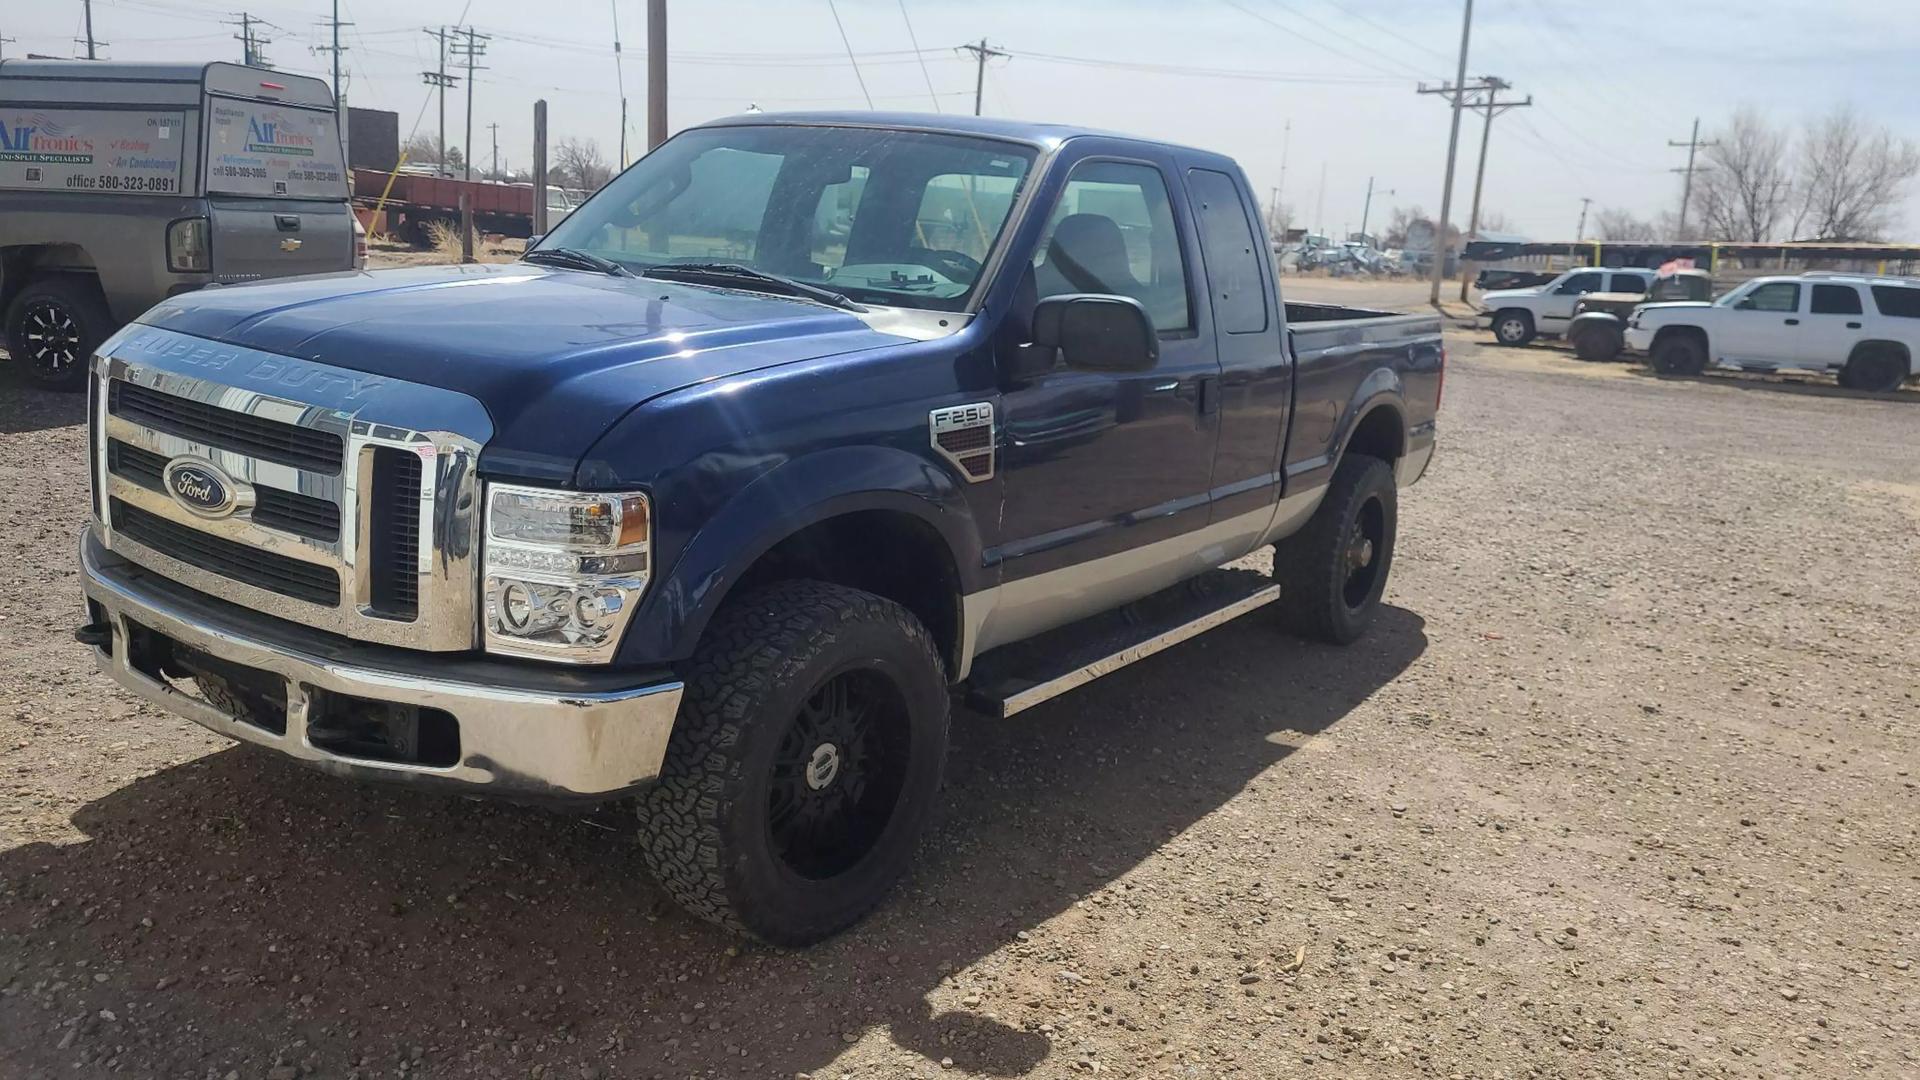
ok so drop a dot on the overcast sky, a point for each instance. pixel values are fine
(1611, 81)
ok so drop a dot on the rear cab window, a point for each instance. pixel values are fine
(1629, 283)
(265, 149)
(1899, 301)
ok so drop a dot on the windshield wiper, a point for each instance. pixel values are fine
(736, 274)
(576, 259)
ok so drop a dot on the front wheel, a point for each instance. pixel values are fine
(803, 764)
(1679, 354)
(1597, 343)
(1333, 572)
(53, 327)
(1513, 327)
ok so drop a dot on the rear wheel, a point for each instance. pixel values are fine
(1332, 572)
(53, 327)
(1874, 368)
(803, 764)
(1598, 342)
(1513, 327)
(1679, 354)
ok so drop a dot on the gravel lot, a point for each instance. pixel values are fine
(1623, 785)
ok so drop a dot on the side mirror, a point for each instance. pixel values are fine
(535, 239)
(1095, 332)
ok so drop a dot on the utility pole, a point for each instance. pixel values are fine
(1580, 230)
(3, 45)
(1692, 144)
(1320, 203)
(656, 73)
(339, 92)
(495, 129)
(90, 41)
(1273, 212)
(1490, 106)
(540, 167)
(473, 49)
(1457, 91)
(1366, 208)
(251, 43)
(981, 53)
(442, 80)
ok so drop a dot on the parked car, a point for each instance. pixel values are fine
(1495, 278)
(122, 184)
(726, 536)
(1598, 328)
(1517, 316)
(1864, 329)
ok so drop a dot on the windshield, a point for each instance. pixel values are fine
(885, 217)
(269, 149)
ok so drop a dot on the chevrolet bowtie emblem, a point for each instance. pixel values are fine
(290, 244)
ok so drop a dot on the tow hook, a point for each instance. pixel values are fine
(99, 635)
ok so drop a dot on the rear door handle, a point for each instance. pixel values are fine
(287, 222)
(1793, 322)
(1853, 326)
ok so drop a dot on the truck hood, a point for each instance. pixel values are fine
(556, 356)
(1491, 299)
(1671, 305)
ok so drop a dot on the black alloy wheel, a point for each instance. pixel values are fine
(837, 774)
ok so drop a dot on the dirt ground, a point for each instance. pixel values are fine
(1623, 785)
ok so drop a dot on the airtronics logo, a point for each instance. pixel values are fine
(268, 134)
(36, 138)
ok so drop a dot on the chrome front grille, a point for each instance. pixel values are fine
(356, 505)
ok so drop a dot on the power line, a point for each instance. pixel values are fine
(1294, 32)
(832, 7)
(915, 42)
(981, 52)
(1146, 67)
(251, 43)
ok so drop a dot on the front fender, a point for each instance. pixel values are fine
(1594, 318)
(779, 503)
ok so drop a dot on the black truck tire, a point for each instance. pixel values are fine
(803, 765)
(1682, 353)
(1513, 326)
(1598, 342)
(1334, 570)
(53, 326)
(1874, 368)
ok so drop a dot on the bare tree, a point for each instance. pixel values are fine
(1493, 221)
(1746, 188)
(421, 149)
(578, 163)
(1614, 223)
(1852, 178)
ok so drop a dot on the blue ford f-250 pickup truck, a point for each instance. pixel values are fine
(799, 428)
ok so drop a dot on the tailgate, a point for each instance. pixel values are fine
(254, 239)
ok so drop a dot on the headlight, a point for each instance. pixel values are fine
(564, 570)
(187, 246)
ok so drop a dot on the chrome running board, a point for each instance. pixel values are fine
(1017, 677)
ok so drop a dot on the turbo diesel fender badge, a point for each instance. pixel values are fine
(963, 434)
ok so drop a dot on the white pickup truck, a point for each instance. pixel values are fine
(1864, 329)
(1517, 316)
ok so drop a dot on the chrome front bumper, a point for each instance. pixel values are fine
(525, 731)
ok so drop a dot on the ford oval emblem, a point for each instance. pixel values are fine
(200, 486)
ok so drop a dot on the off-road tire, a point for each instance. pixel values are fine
(1679, 354)
(1874, 368)
(1513, 326)
(1598, 343)
(706, 825)
(73, 300)
(1314, 566)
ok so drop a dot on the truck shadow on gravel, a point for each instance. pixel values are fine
(25, 407)
(238, 912)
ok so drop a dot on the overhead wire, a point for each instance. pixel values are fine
(855, 64)
(915, 42)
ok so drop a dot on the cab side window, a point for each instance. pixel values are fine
(1773, 296)
(1836, 300)
(1579, 283)
(1629, 283)
(1232, 254)
(1112, 232)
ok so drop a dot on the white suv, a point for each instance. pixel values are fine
(1864, 329)
(1518, 315)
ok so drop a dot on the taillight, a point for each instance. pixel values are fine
(187, 246)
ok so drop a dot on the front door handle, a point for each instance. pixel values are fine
(1853, 326)
(287, 222)
(1793, 322)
